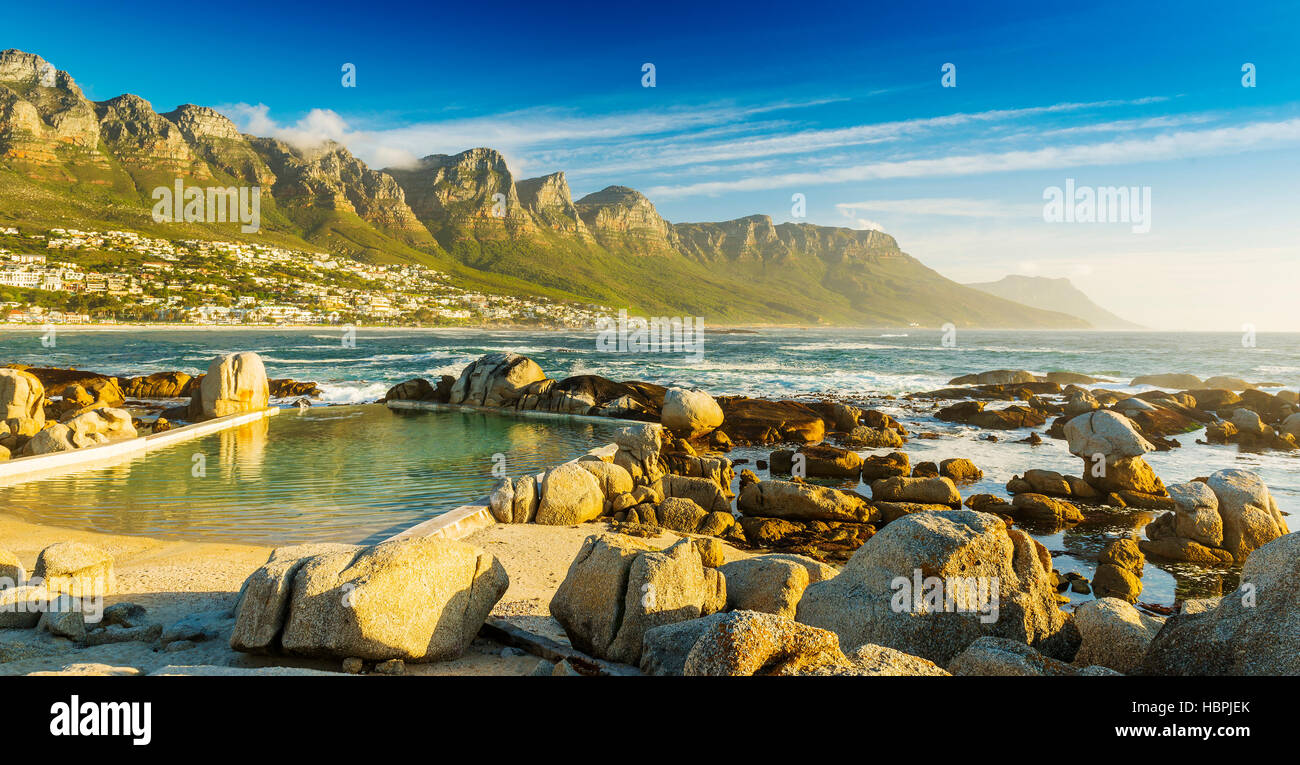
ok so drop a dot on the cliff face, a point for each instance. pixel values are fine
(65, 160)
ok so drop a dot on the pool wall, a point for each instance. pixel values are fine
(40, 466)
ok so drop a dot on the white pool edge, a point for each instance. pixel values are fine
(40, 466)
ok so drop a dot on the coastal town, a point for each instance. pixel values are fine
(72, 276)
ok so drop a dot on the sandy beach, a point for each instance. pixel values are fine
(174, 579)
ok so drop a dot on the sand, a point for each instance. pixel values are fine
(173, 579)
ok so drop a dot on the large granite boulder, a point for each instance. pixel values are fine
(418, 600)
(690, 413)
(21, 398)
(264, 598)
(1218, 521)
(772, 584)
(1253, 631)
(1113, 634)
(235, 383)
(618, 588)
(925, 491)
(613, 479)
(885, 594)
(746, 643)
(758, 421)
(157, 385)
(999, 657)
(496, 380)
(75, 568)
(514, 500)
(1104, 432)
(802, 501)
(571, 494)
(12, 573)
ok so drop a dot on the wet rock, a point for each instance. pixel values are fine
(495, 380)
(800, 501)
(757, 421)
(1168, 380)
(235, 383)
(1039, 508)
(867, 437)
(889, 465)
(819, 461)
(960, 469)
(995, 377)
(157, 385)
(933, 491)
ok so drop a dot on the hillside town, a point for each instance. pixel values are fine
(70, 276)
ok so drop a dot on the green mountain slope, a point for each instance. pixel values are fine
(66, 161)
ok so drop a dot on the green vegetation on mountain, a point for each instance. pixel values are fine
(69, 162)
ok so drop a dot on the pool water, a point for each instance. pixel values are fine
(340, 474)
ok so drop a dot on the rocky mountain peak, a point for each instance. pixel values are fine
(198, 122)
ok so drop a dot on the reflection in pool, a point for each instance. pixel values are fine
(348, 474)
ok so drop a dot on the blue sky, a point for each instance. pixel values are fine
(840, 102)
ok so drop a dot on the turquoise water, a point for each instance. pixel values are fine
(345, 474)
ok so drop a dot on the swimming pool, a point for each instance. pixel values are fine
(341, 474)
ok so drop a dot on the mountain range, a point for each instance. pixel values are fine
(67, 161)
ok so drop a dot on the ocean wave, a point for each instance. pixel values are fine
(352, 393)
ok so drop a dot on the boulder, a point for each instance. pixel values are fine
(617, 589)
(772, 584)
(77, 569)
(613, 479)
(1107, 433)
(802, 501)
(664, 649)
(702, 491)
(1219, 520)
(415, 389)
(757, 421)
(960, 469)
(1113, 634)
(931, 491)
(999, 657)
(872, 599)
(89, 428)
(690, 413)
(867, 437)
(819, 461)
(1253, 631)
(157, 385)
(995, 377)
(22, 397)
(1039, 508)
(495, 380)
(889, 465)
(420, 599)
(12, 573)
(235, 383)
(571, 494)
(264, 598)
(745, 643)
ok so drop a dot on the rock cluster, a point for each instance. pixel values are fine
(1216, 521)
(418, 600)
